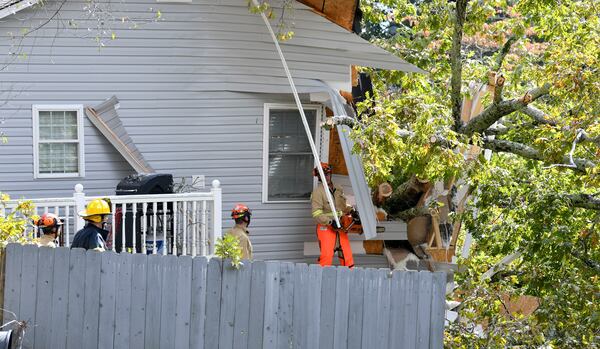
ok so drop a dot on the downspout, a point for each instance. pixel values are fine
(311, 141)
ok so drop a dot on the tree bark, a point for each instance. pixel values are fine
(456, 62)
(586, 201)
(406, 196)
(537, 115)
(529, 152)
(495, 111)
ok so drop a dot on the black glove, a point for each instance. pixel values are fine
(335, 225)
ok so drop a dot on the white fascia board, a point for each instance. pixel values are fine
(16, 7)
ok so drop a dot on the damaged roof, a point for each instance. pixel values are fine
(10, 7)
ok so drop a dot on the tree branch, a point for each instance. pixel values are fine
(498, 89)
(456, 62)
(538, 115)
(411, 213)
(503, 52)
(586, 138)
(586, 201)
(338, 120)
(529, 152)
(495, 111)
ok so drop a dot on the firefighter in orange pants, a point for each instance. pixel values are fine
(331, 238)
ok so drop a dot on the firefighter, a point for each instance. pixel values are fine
(92, 236)
(331, 237)
(50, 227)
(241, 215)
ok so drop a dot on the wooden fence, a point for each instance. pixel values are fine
(87, 299)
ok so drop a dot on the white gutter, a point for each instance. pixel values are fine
(311, 141)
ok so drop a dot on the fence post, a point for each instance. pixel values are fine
(216, 213)
(79, 197)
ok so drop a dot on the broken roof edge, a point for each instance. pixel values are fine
(100, 116)
(12, 7)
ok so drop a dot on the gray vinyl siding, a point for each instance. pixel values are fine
(176, 81)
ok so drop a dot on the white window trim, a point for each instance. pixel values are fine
(321, 140)
(36, 140)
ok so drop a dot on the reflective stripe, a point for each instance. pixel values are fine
(317, 213)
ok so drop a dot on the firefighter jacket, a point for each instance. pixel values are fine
(47, 241)
(90, 238)
(321, 211)
(242, 234)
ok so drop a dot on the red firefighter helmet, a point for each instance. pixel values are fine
(326, 169)
(240, 211)
(48, 220)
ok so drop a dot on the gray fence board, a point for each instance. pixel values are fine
(43, 303)
(213, 304)
(300, 302)
(327, 307)
(184, 299)
(242, 306)
(271, 305)
(286, 305)
(60, 298)
(168, 307)
(123, 302)
(315, 273)
(342, 304)
(424, 309)
(87, 299)
(369, 328)
(257, 306)
(356, 310)
(153, 299)
(409, 335)
(108, 290)
(139, 265)
(199, 270)
(75, 317)
(12, 281)
(438, 310)
(383, 308)
(93, 260)
(29, 292)
(228, 301)
(398, 293)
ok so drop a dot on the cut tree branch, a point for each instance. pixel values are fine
(338, 120)
(537, 115)
(496, 111)
(498, 89)
(529, 152)
(456, 62)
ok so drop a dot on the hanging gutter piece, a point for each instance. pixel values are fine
(107, 121)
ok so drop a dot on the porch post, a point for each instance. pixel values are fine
(216, 213)
(79, 197)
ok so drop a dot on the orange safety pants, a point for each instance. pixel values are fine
(327, 236)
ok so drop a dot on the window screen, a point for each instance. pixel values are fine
(290, 159)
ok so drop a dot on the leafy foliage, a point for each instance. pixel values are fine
(228, 247)
(522, 203)
(16, 222)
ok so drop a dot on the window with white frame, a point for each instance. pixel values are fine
(58, 141)
(287, 157)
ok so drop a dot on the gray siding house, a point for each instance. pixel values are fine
(201, 91)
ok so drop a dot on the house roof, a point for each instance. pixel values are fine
(10, 7)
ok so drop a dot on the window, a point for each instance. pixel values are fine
(58, 141)
(287, 158)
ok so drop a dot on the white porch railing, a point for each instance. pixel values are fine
(179, 224)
